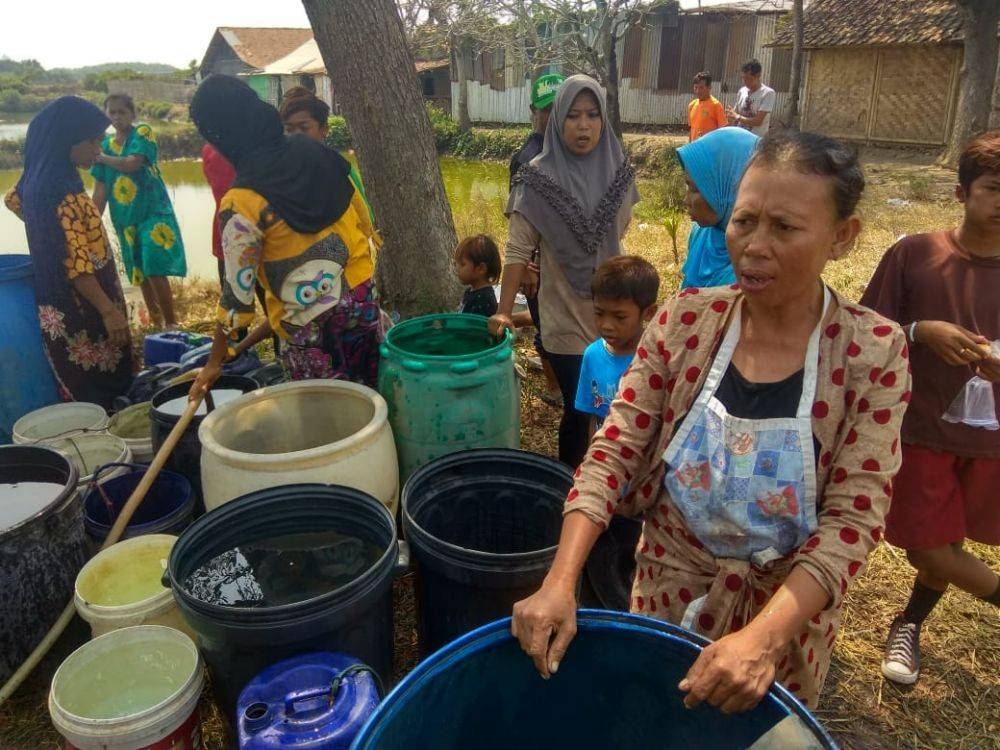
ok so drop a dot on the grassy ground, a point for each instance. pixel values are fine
(955, 705)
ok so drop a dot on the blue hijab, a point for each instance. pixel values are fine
(715, 163)
(49, 176)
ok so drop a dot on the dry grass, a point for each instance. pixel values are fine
(957, 701)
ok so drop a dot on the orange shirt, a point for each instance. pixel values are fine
(704, 117)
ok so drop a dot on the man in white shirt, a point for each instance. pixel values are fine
(754, 103)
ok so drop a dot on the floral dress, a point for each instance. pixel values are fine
(86, 365)
(862, 391)
(141, 211)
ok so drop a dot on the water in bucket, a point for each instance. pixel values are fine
(176, 406)
(22, 500)
(282, 569)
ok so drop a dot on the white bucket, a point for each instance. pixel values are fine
(89, 452)
(133, 426)
(132, 688)
(120, 587)
(59, 420)
(326, 431)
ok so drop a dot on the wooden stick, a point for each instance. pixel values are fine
(137, 496)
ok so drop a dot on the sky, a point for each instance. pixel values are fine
(72, 33)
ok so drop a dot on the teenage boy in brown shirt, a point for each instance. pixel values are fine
(944, 289)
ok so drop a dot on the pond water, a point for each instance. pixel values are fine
(13, 127)
(477, 192)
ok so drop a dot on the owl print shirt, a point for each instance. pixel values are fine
(304, 275)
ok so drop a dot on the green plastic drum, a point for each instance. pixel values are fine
(449, 386)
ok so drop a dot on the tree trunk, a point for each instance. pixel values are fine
(614, 101)
(462, 71)
(995, 117)
(977, 79)
(364, 49)
(798, 63)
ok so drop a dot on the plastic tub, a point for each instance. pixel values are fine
(134, 427)
(26, 380)
(327, 431)
(616, 688)
(59, 421)
(355, 618)
(186, 457)
(450, 386)
(483, 526)
(167, 508)
(122, 586)
(132, 688)
(41, 551)
(91, 452)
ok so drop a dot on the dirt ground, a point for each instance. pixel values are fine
(956, 703)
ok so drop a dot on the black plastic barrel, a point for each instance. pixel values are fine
(483, 526)
(39, 556)
(186, 457)
(239, 642)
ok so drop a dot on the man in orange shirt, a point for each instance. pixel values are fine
(705, 113)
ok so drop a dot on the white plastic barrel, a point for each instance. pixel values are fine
(132, 425)
(90, 451)
(132, 688)
(326, 431)
(59, 420)
(121, 587)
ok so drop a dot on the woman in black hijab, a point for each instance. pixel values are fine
(290, 223)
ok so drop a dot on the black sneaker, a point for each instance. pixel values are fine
(901, 662)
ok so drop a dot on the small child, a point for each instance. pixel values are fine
(624, 290)
(477, 263)
(942, 289)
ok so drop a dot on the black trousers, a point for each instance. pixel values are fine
(574, 429)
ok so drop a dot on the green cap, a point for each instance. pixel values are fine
(543, 92)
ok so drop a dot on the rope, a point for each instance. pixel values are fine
(351, 671)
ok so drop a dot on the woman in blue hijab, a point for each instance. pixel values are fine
(81, 307)
(713, 166)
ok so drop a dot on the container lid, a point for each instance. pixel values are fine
(323, 697)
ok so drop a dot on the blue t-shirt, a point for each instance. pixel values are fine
(599, 376)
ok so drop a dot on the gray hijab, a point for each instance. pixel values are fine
(574, 201)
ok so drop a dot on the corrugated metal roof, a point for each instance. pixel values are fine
(851, 23)
(746, 6)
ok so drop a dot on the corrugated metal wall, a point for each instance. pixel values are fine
(658, 63)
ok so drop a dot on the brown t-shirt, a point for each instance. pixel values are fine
(931, 277)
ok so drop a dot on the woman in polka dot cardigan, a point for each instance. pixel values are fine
(756, 435)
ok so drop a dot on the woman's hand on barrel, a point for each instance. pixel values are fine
(116, 326)
(544, 624)
(499, 323)
(203, 383)
(733, 674)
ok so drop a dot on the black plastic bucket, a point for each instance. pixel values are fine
(166, 508)
(39, 556)
(186, 456)
(483, 526)
(239, 642)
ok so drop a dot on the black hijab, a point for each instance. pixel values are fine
(306, 183)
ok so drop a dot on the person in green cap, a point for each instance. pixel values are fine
(543, 94)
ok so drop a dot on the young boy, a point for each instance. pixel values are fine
(705, 113)
(942, 288)
(624, 290)
(477, 264)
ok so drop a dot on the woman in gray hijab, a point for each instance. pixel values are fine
(571, 205)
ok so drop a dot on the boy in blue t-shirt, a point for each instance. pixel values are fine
(624, 290)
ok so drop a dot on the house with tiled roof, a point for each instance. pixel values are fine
(880, 70)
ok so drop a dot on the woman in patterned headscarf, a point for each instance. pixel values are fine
(80, 302)
(572, 203)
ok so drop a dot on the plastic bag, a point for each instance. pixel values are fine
(975, 404)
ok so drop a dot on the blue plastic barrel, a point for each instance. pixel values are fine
(616, 688)
(26, 380)
(318, 700)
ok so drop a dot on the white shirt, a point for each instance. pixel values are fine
(751, 104)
